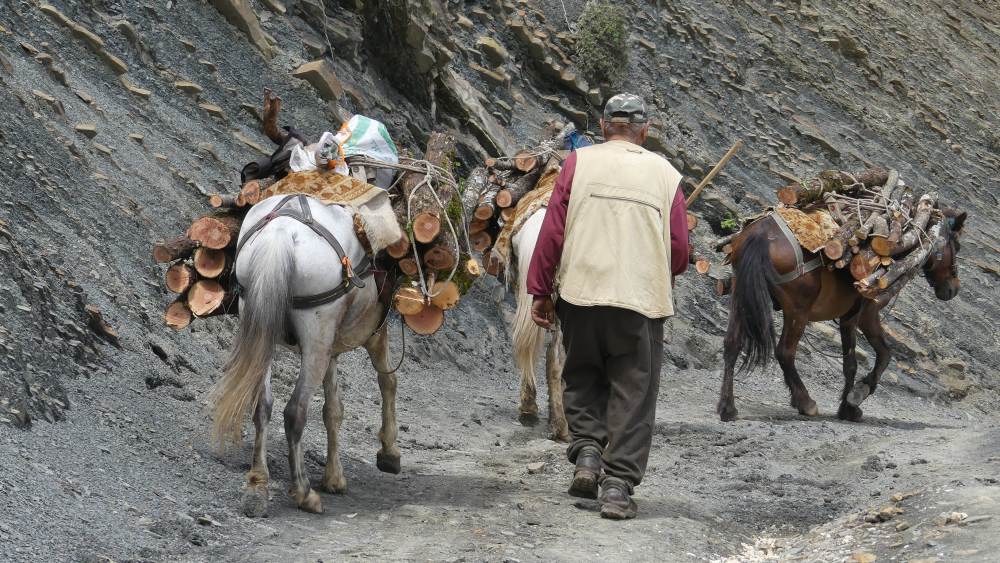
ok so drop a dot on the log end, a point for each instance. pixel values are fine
(426, 227)
(427, 321)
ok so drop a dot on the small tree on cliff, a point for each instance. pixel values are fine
(602, 43)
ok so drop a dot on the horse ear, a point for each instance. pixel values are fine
(957, 222)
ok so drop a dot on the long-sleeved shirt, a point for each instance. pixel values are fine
(548, 249)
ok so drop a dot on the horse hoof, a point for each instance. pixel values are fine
(809, 409)
(527, 419)
(849, 412)
(727, 414)
(254, 503)
(312, 503)
(858, 394)
(387, 463)
(334, 486)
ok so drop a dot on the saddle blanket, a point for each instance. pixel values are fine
(812, 230)
(368, 203)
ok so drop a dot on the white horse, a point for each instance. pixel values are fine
(285, 259)
(529, 338)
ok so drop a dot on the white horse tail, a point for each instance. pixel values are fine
(266, 300)
(527, 336)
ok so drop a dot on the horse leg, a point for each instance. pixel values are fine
(315, 362)
(795, 326)
(871, 326)
(848, 343)
(388, 457)
(726, 407)
(255, 493)
(553, 376)
(334, 480)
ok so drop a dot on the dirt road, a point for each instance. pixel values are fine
(131, 476)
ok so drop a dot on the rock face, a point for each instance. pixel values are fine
(322, 77)
(239, 13)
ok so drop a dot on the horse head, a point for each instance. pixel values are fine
(941, 270)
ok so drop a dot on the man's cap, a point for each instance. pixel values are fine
(625, 108)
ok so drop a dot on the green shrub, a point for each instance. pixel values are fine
(731, 223)
(602, 43)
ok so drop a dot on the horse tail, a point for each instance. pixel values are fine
(266, 301)
(751, 303)
(527, 336)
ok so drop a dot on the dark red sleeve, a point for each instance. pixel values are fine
(548, 249)
(678, 234)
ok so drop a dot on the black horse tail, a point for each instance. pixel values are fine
(750, 307)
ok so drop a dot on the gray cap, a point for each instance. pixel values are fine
(625, 108)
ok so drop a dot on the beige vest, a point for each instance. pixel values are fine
(617, 242)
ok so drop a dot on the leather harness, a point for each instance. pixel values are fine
(801, 267)
(352, 277)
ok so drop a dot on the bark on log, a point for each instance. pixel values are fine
(913, 261)
(427, 321)
(408, 301)
(475, 185)
(427, 213)
(178, 315)
(864, 263)
(445, 295)
(205, 296)
(223, 201)
(215, 231)
(835, 181)
(487, 207)
(208, 262)
(176, 249)
(521, 186)
(180, 277)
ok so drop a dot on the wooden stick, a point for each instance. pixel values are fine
(223, 201)
(711, 174)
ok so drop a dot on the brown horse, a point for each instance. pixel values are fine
(760, 254)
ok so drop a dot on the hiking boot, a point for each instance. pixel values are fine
(616, 502)
(588, 469)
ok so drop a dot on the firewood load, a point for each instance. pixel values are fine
(882, 232)
(506, 191)
(434, 256)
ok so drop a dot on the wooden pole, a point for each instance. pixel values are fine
(711, 174)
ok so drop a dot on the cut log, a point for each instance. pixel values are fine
(493, 265)
(507, 214)
(427, 214)
(223, 201)
(208, 262)
(504, 198)
(251, 192)
(835, 247)
(864, 263)
(180, 277)
(914, 260)
(521, 186)
(478, 226)
(171, 250)
(525, 161)
(205, 296)
(473, 268)
(445, 295)
(178, 315)
(408, 266)
(692, 220)
(409, 301)
(913, 233)
(702, 266)
(444, 253)
(215, 231)
(723, 286)
(481, 241)
(830, 181)
(487, 207)
(400, 248)
(427, 321)
(475, 185)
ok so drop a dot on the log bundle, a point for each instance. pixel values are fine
(433, 257)
(886, 234)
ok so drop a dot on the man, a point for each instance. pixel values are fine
(616, 231)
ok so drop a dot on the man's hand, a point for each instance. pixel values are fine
(543, 311)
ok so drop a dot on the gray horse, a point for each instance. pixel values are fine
(283, 259)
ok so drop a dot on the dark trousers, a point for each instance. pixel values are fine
(612, 375)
